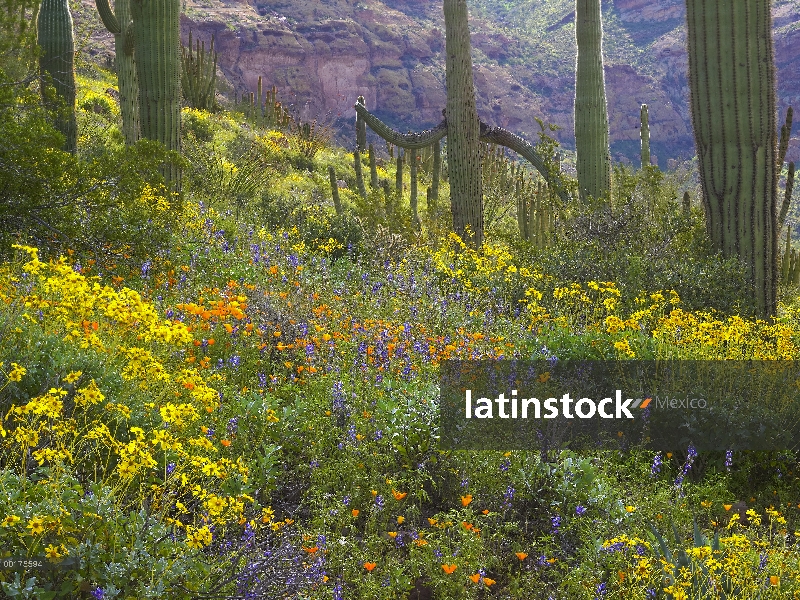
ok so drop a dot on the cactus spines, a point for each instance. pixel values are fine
(57, 67)
(121, 25)
(735, 133)
(591, 117)
(362, 190)
(337, 203)
(687, 204)
(644, 133)
(156, 25)
(463, 127)
(373, 168)
(361, 129)
(199, 74)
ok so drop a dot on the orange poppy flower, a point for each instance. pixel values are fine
(466, 525)
(475, 578)
(432, 521)
(399, 495)
(522, 555)
(727, 506)
(311, 550)
(370, 565)
(465, 500)
(449, 568)
(225, 443)
(488, 581)
(485, 511)
(774, 580)
(392, 534)
(355, 512)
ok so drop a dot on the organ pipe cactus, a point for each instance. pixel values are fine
(591, 117)
(199, 74)
(121, 25)
(57, 67)
(735, 133)
(645, 135)
(156, 26)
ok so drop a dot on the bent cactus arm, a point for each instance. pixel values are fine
(409, 141)
(503, 137)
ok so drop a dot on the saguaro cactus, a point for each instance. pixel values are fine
(732, 84)
(463, 127)
(121, 25)
(591, 118)
(156, 28)
(57, 67)
(783, 146)
(644, 133)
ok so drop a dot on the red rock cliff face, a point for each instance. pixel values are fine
(323, 54)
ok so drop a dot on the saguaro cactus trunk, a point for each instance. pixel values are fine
(732, 84)
(591, 118)
(157, 32)
(463, 127)
(57, 66)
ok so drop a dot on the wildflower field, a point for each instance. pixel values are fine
(233, 393)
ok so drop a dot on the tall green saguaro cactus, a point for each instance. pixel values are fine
(57, 66)
(591, 117)
(732, 85)
(463, 127)
(121, 25)
(644, 133)
(156, 25)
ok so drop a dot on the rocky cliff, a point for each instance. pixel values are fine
(321, 55)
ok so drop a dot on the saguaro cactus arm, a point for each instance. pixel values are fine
(503, 137)
(404, 140)
(107, 17)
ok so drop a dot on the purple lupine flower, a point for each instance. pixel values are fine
(728, 459)
(346, 500)
(233, 426)
(600, 591)
(656, 466)
(505, 465)
(379, 501)
(338, 592)
(580, 510)
(170, 468)
(650, 593)
(555, 522)
(210, 433)
(378, 435)
(98, 593)
(762, 562)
